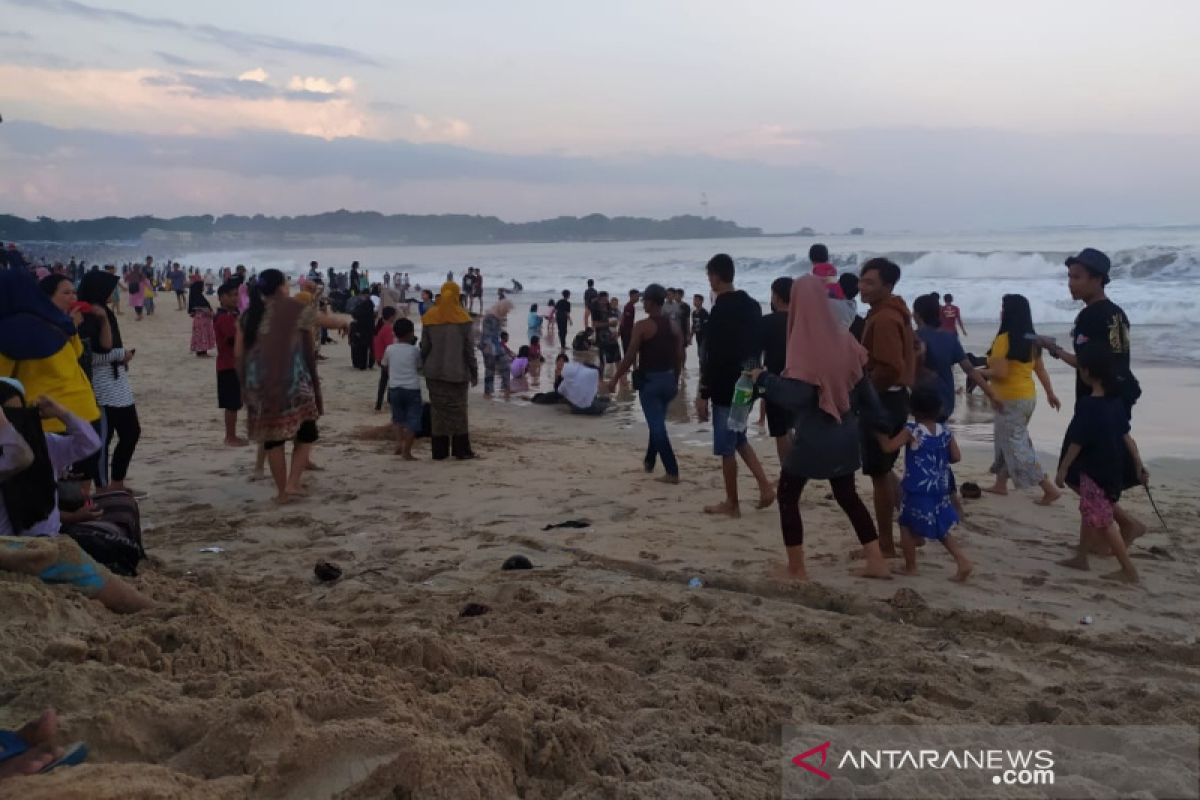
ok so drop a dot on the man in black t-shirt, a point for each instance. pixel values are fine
(1102, 326)
(562, 316)
(699, 324)
(589, 297)
(602, 323)
(733, 345)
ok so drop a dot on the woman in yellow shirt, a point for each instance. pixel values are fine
(40, 347)
(1012, 362)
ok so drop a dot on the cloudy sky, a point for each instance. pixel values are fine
(928, 115)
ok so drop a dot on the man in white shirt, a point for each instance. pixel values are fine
(580, 383)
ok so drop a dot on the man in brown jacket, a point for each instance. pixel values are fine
(892, 367)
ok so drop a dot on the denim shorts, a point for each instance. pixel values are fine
(406, 407)
(725, 441)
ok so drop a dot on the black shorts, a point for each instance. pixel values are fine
(229, 390)
(307, 434)
(779, 420)
(875, 461)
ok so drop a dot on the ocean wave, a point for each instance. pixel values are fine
(1151, 263)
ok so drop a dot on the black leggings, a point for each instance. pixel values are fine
(122, 421)
(383, 381)
(562, 333)
(844, 492)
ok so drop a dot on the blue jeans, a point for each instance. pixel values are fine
(655, 395)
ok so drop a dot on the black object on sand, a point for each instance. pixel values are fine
(327, 572)
(971, 491)
(516, 562)
(571, 523)
(474, 610)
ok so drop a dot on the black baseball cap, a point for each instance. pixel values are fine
(1092, 260)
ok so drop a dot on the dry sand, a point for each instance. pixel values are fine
(597, 674)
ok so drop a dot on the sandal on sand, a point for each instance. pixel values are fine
(13, 744)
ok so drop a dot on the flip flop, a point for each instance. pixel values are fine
(12, 744)
(73, 756)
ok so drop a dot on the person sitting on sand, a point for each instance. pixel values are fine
(825, 388)
(582, 343)
(30, 543)
(926, 511)
(536, 359)
(1098, 446)
(520, 369)
(552, 397)
(579, 387)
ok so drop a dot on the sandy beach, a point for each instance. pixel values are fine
(599, 673)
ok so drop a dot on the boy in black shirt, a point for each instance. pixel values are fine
(774, 344)
(699, 324)
(1103, 329)
(1098, 442)
(562, 315)
(734, 344)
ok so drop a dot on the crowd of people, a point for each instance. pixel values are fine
(841, 393)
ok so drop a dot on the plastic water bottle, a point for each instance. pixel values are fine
(743, 396)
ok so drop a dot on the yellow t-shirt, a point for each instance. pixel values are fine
(60, 378)
(1018, 383)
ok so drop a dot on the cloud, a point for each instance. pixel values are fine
(178, 61)
(185, 102)
(444, 129)
(23, 36)
(238, 41)
(250, 85)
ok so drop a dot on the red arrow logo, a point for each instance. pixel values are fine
(802, 760)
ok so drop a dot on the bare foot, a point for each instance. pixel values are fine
(1048, 499)
(782, 572)
(297, 491)
(1121, 576)
(257, 475)
(281, 499)
(408, 457)
(398, 451)
(1076, 562)
(900, 569)
(962, 574)
(726, 508)
(1135, 531)
(236, 442)
(878, 572)
(996, 490)
(671, 479)
(766, 499)
(313, 467)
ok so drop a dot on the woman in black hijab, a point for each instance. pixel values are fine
(110, 380)
(204, 338)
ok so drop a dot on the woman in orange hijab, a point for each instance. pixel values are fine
(448, 357)
(824, 386)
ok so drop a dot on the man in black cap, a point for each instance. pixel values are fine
(1102, 327)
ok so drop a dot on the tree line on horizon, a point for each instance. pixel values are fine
(372, 225)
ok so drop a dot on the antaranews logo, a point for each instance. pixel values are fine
(1007, 767)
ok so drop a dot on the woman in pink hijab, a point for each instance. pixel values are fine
(824, 386)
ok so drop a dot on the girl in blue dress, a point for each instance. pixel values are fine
(927, 512)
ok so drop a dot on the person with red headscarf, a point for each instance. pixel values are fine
(825, 389)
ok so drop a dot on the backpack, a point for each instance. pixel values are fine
(114, 540)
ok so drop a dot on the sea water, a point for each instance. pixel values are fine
(1156, 271)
